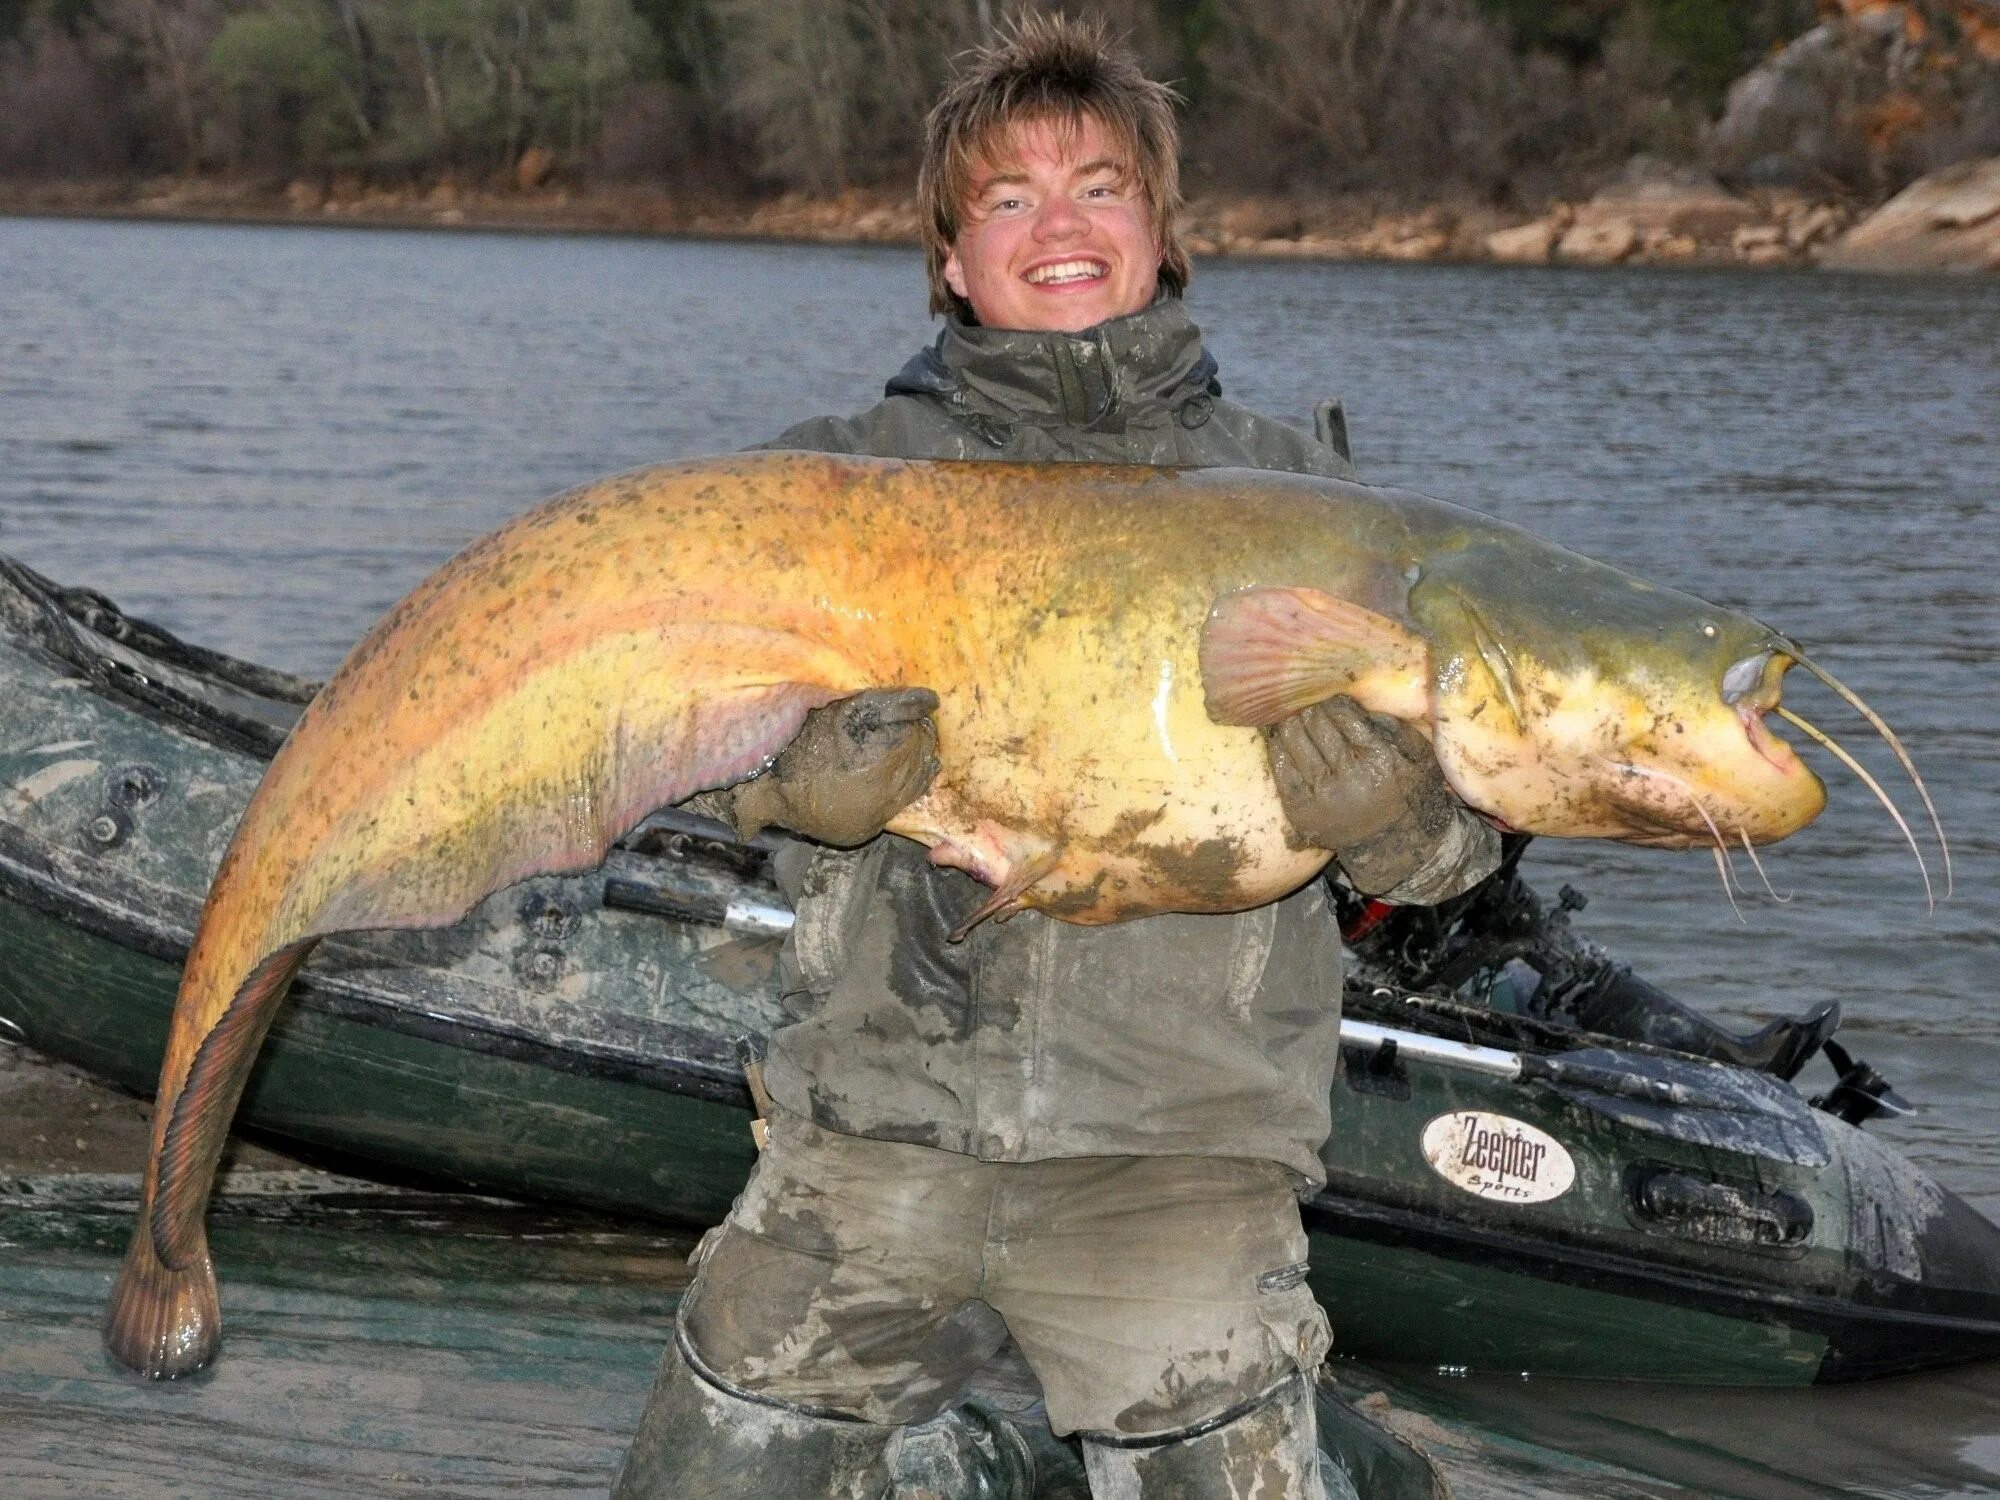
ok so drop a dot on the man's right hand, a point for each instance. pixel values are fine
(853, 765)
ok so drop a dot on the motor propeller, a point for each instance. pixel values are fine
(1860, 1092)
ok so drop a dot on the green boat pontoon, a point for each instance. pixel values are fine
(1506, 1193)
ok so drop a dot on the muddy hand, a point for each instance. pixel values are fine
(1348, 778)
(853, 766)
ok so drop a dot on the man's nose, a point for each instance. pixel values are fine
(1059, 218)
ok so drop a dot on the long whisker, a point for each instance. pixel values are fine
(1882, 728)
(1826, 742)
(1722, 868)
(1751, 850)
(1723, 864)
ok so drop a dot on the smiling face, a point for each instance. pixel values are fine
(1057, 235)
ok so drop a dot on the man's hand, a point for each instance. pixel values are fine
(1363, 785)
(853, 765)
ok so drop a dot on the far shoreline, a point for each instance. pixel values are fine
(1704, 231)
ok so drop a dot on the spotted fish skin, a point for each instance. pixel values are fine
(1104, 643)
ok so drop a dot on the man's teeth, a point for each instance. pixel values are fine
(1068, 270)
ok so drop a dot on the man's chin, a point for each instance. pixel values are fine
(1070, 312)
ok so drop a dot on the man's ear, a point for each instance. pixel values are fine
(954, 273)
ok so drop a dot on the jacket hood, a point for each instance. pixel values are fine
(1144, 365)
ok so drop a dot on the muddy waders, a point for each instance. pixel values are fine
(700, 1437)
(1269, 1446)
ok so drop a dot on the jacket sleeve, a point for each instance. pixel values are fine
(716, 803)
(899, 426)
(818, 435)
(1398, 867)
(1243, 436)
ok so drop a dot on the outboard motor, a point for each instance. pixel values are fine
(1500, 945)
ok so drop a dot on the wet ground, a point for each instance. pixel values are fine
(54, 1119)
(379, 1344)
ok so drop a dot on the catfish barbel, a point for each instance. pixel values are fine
(1103, 642)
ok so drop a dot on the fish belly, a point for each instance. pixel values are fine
(1086, 758)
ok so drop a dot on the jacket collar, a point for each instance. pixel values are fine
(1146, 363)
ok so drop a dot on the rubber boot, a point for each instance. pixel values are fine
(1268, 1448)
(1628, 1007)
(698, 1437)
(966, 1454)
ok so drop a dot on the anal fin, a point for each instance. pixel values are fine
(1006, 900)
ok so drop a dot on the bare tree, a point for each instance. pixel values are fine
(59, 115)
(1403, 96)
(588, 59)
(165, 43)
(833, 92)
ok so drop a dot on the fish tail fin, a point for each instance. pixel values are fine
(165, 1319)
(162, 1322)
(1266, 653)
(198, 1115)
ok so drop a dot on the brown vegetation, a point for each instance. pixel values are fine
(1406, 128)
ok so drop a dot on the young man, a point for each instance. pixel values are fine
(1088, 1139)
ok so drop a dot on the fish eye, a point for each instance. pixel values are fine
(1709, 631)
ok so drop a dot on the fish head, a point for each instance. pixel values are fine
(1571, 699)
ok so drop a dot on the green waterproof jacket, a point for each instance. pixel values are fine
(1172, 1035)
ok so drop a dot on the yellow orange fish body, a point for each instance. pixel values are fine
(1103, 642)
(637, 641)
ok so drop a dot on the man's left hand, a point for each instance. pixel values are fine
(1348, 779)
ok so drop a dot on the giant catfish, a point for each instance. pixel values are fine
(1103, 641)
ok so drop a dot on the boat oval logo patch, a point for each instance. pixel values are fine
(1495, 1157)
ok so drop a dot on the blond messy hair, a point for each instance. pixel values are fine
(1055, 69)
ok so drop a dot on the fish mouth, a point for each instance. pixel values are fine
(1754, 687)
(1668, 802)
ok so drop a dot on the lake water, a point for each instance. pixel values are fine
(261, 438)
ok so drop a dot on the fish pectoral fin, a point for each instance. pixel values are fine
(1268, 652)
(1498, 661)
